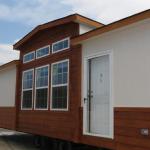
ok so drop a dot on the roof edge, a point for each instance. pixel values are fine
(71, 18)
(11, 63)
(115, 25)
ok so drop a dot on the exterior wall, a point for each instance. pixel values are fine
(7, 86)
(131, 60)
(84, 28)
(7, 97)
(126, 46)
(56, 124)
(7, 117)
(131, 83)
(128, 125)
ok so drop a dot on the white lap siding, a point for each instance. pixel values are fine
(7, 86)
(130, 48)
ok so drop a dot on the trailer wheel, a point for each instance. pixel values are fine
(55, 144)
(64, 145)
(37, 141)
(68, 146)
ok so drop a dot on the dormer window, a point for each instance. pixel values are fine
(28, 57)
(42, 52)
(61, 45)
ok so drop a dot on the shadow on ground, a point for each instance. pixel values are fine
(19, 141)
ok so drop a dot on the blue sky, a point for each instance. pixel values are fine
(18, 17)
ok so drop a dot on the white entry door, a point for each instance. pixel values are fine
(98, 105)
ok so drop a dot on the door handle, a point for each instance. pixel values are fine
(85, 99)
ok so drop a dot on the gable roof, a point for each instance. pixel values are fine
(11, 63)
(118, 24)
(71, 18)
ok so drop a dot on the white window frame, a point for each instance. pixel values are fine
(22, 108)
(68, 38)
(59, 85)
(41, 88)
(29, 54)
(86, 58)
(42, 48)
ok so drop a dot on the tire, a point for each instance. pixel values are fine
(37, 141)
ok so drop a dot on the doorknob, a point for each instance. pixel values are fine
(85, 99)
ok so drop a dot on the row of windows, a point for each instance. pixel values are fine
(44, 51)
(59, 87)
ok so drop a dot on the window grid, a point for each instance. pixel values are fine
(65, 85)
(27, 90)
(42, 88)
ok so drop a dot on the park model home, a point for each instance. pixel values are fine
(81, 81)
(49, 79)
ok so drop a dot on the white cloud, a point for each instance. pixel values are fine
(107, 11)
(33, 12)
(7, 53)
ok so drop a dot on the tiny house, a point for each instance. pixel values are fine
(84, 82)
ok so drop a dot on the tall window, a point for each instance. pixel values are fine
(42, 52)
(60, 45)
(28, 57)
(27, 89)
(41, 93)
(59, 96)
